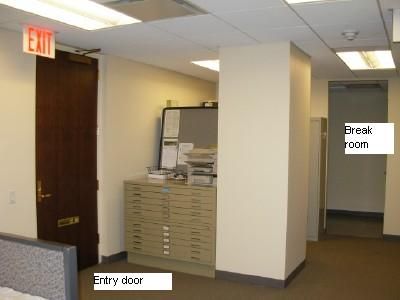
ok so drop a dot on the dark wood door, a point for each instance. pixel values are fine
(66, 153)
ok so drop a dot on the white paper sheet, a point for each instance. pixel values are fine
(169, 153)
(171, 123)
(184, 148)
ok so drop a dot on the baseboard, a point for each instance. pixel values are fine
(341, 212)
(113, 258)
(259, 280)
(391, 237)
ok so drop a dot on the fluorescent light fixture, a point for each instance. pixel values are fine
(209, 64)
(84, 14)
(368, 60)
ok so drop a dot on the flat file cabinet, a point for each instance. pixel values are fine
(170, 225)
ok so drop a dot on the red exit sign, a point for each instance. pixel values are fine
(39, 41)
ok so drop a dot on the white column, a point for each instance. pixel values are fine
(264, 96)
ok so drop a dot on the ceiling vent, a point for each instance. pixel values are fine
(152, 10)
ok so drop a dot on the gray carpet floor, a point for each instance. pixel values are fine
(336, 268)
(356, 226)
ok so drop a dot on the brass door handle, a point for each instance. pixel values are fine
(39, 194)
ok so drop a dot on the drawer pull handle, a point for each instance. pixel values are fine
(166, 240)
(137, 243)
(137, 248)
(137, 236)
(166, 252)
(194, 257)
(195, 246)
(137, 224)
(137, 194)
(195, 239)
(166, 234)
(137, 230)
(165, 227)
(195, 232)
(137, 212)
(196, 213)
(194, 251)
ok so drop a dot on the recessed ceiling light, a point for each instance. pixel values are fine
(83, 13)
(209, 64)
(368, 60)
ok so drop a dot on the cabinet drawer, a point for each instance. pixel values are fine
(192, 255)
(167, 189)
(146, 206)
(159, 215)
(191, 212)
(190, 218)
(146, 195)
(153, 201)
(190, 198)
(193, 205)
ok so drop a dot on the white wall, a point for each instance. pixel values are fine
(299, 134)
(134, 95)
(392, 202)
(355, 182)
(17, 135)
(253, 159)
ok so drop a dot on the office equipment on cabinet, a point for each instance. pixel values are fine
(201, 167)
(316, 221)
(183, 129)
(170, 225)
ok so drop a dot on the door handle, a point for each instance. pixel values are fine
(39, 194)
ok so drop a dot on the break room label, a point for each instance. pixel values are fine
(369, 138)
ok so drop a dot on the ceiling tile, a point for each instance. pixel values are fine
(314, 48)
(263, 19)
(376, 73)
(196, 25)
(345, 12)
(359, 44)
(8, 14)
(221, 6)
(365, 31)
(206, 30)
(297, 33)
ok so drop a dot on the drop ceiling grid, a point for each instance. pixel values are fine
(205, 30)
(223, 6)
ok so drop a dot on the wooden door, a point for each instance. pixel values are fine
(66, 153)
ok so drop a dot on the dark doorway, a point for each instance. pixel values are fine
(356, 183)
(66, 152)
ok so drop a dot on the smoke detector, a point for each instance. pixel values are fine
(350, 34)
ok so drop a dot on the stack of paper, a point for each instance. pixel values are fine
(201, 168)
